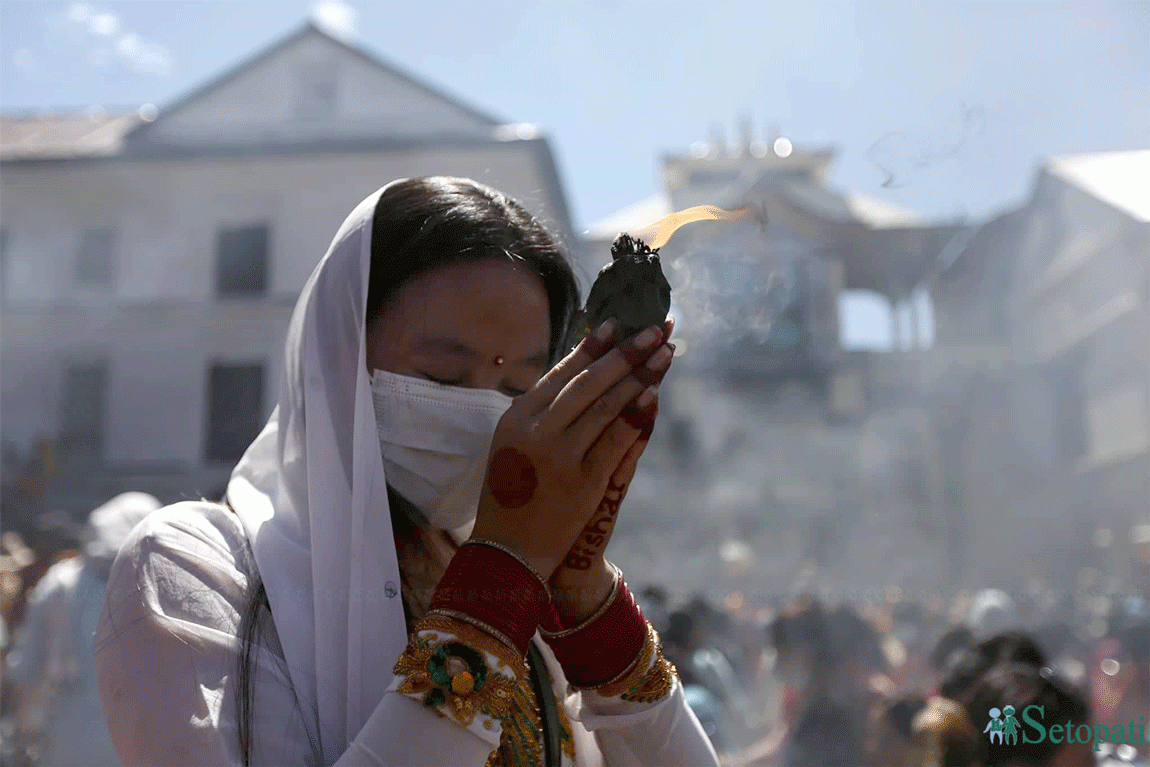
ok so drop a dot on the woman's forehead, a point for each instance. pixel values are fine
(474, 305)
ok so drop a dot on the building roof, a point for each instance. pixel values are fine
(840, 206)
(971, 242)
(1120, 179)
(310, 29)
(64, 135)
(95, 132)
(844, 206)
(850, 206)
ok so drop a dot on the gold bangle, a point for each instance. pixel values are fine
(616, 588)
(481, 625)
(511, 553)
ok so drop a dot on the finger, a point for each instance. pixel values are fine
(642, 418)
(587, 386)
(605, 455)
(668, 327)
(585, 352)
(596, 534)
(589, 424)
(625, 472)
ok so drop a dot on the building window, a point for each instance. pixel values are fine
(317, 94)
(94, 258)
(242, 260)
(235, 410)
(82, 410)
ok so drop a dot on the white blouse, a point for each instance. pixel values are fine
(167, 656)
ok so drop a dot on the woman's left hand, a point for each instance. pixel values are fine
(583, 579)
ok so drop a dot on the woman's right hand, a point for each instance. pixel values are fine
(557, 446)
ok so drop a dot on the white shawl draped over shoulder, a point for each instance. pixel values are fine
(311, 494)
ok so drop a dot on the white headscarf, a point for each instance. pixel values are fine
(109, 525)
(311, 494)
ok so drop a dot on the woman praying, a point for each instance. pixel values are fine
(409, 566)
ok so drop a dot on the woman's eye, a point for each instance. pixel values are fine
(443, 381)
(510, 391)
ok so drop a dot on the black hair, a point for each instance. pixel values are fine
(954, 640)
(833, 638)
(1022, 685)
(900, 713)
(424, 223)
(826, 734)
(976, 661)
(257, 605)
(680, 629)
(854, 640)
(418, 225)
(803, 626)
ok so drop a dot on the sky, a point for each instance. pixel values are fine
(943, 108)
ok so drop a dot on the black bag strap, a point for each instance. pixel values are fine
(545, 697)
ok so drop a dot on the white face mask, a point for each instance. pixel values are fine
(435, 441)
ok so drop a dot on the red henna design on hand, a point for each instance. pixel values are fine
(511, 478)
(648, 427)
(618, 488)
(647, 376)
(594, 537)
(577, 562)
(637, 355)
(596, 348)
(639, 417)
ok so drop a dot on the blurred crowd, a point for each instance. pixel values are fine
(802, 681)
(54, 587)
(893, 682)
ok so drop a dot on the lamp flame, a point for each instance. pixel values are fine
(657, 235)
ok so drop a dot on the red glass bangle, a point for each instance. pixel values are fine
(605, 647)
(494, 588)
(551, 621)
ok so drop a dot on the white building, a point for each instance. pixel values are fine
(151, 259)
(1043, 319)
(773, 439)
(1081, 303)
(764, 300)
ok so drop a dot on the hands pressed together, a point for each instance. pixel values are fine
(563, 456)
